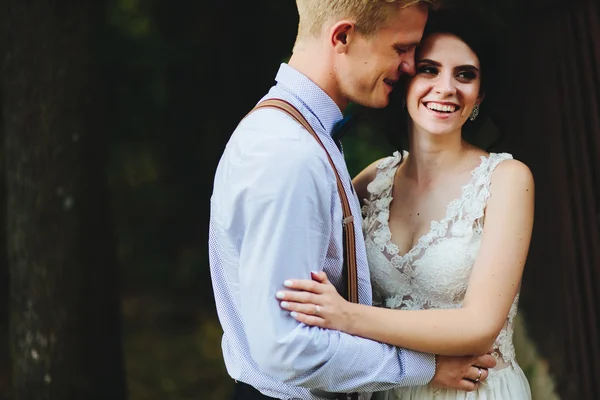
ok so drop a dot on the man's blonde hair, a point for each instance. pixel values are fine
(368, 15)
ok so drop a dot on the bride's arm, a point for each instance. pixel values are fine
(493, 284)
(362, 180)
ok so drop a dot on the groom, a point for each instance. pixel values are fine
(276, 214)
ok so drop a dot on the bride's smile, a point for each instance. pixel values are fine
(442, 110)
(446, 87)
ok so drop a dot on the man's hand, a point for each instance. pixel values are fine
(462, 373)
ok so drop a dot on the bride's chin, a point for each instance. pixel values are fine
(438, 131)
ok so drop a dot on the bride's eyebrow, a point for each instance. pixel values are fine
(437, 64)
(467, 67)
(428, 61)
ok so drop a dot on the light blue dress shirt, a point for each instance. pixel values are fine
(275, 215)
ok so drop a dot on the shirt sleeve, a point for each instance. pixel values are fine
(285, 190)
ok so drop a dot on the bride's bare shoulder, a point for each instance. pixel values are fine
(364, 177)
(368, 175)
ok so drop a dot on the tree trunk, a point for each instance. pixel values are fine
(5, 373)
(65, 332)
(5, 370)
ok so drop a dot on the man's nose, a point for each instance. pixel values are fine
(407, 68)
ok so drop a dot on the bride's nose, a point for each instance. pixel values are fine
(445, 85)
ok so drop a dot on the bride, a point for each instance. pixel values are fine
(447, 228)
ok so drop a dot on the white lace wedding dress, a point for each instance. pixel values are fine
(435, 273)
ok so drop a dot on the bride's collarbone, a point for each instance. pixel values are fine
(414, 207)
(412, 212)
(408, 224)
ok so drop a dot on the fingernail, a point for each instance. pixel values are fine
(294, 314)
(285, 304)
(280, 295)
(287, 283)
(314, 272)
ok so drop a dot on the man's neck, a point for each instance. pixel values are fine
(310, 60)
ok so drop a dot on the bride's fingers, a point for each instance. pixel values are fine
(297, 297)
(304, 284)
(309, 319)
(308, 309)
(319, 276)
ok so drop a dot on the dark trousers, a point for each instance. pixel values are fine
(244, 391)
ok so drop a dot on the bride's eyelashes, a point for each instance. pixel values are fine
(427, 69)
(465, 75)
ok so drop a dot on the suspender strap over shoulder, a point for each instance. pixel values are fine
(349, 235)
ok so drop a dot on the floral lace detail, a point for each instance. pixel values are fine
(503, 344)
(469, 207)
(435, 272)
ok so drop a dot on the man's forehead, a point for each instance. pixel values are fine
(406, 29)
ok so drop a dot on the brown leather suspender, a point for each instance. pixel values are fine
(348, 220)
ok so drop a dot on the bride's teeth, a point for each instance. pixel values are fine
(441, 107)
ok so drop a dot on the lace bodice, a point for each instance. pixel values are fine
(435, 272)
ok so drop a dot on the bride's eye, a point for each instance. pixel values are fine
(466, 75)
(427, 69)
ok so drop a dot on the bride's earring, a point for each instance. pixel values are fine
(474, 113)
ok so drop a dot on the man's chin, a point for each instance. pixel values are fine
(381, 103)
(378, 102)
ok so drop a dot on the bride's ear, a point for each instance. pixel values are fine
(481, 97)
(341, 35)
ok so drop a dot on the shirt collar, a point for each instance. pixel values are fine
(311, 95)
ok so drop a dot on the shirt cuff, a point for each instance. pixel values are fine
(418, 368)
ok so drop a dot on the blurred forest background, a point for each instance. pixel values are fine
(114, 116)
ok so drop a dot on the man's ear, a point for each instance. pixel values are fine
(341, 34)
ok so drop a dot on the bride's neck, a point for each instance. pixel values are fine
(431, 156)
